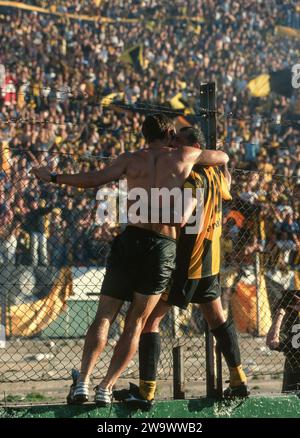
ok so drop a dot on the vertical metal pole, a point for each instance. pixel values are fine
(175, 318)
(209, 127)
(258, 286)
(3, 304)
(178, 373)
(210, 363)
(208, 119)
(219, 386)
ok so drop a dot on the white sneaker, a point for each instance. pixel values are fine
(79, 392)
(103, 397)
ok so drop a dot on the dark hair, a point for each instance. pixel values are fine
(194, 135)
(156, 126)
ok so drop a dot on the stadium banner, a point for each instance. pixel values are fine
(95, 18)
(250, 304)
(28, 319)
(35, 301)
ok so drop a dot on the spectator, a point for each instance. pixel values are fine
(34, 225)
(284, 336)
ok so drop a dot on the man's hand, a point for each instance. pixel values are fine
(272, 340)
(42, 173)
(273, 336)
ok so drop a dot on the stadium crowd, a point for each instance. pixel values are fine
(55, 73)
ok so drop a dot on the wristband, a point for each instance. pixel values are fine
(53, 177)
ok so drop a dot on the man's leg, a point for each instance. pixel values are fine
(226, 336)
(95, 341)
(96, 337)
(126, 347)
(149, 352)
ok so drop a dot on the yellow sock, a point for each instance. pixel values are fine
(237, 376)
(147, 389)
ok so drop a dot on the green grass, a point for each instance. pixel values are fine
(32, 397)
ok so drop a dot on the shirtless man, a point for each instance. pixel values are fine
(142, 257)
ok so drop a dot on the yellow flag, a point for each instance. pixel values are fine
(286, 31)
(176, 102)
(110, 98)
(260, 86)
(134, 57)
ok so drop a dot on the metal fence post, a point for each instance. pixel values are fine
(178, 373)
(258, 286)
(210, 363)
(208, 108)
(3, 304)
(219, 383)
(209, 128)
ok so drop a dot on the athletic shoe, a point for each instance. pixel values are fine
(240, 391)
(133, 397)
(103, 397)
(79, 392)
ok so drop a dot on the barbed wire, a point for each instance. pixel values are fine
(142, 106)
(159, 109)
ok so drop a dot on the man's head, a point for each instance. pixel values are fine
(189, 136)
(158, 127)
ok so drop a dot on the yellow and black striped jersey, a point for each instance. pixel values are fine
(198, 253)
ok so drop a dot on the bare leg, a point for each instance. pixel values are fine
(96, 337)
(213, 313)
(140, 309)
(158, 314)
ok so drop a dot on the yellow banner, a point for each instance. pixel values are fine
(28, 319)
(251, 309)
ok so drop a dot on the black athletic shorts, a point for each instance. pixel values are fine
(184, 292)
(140, 261)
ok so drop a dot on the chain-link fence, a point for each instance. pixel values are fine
(52, 262)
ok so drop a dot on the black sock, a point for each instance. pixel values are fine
(227, 341)
(149, 351)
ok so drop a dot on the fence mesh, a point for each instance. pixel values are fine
(52, 262)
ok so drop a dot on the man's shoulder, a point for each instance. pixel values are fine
(131, 155)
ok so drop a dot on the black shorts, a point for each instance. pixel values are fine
(140, 261)
(184, 292)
